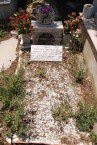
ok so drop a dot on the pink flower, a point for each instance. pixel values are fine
(73, 14)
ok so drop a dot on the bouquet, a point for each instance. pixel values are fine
(21, 23)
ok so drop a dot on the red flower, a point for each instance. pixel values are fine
(65, 27)
(21, 23)
(12, 24)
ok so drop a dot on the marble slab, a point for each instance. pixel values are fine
(46, 53)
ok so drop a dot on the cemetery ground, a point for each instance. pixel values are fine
(53, 92)
(44, 101)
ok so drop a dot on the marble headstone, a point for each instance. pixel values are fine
(46, 53)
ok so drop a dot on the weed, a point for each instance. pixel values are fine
(41, 73)
(12, 94)
(2, 34)
(93, 137)
(79, 76)
(62, 112)
(86, 117)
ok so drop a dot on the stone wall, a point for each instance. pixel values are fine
(89, 33)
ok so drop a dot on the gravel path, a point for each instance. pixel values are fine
(44, 94)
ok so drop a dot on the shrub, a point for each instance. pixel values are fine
(2, 34)
(79, 75)
(12, 95)
(86, 117)
(62, 112)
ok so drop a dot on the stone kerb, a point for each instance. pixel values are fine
(95, 7)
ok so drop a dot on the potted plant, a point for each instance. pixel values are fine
(22, 24)
(45, 14)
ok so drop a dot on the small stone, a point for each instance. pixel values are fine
(14, 33)
(1, 105)
(95, 128)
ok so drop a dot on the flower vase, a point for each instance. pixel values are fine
(25, 38)
(87, 11)
(66, 40)
(45, 18)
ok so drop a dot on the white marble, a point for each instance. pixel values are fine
(46, 53)
(87, 11)
(55, 29)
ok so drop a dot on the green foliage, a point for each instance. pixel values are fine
(2, 34)
(13, 122)
(93, 137)
(62, 112)
(80, 75)
(41, 73)
(12, 95)
(11, 88)
(29, 1)
(86, 117)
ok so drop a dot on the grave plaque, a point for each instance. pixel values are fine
(46, 53)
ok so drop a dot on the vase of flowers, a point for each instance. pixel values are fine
(22, 24)
(71, 27)
(45, 14)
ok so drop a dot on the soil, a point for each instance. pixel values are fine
(86, 87)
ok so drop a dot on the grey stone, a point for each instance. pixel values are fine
(95, 128)
(1, 105)
(95, 6)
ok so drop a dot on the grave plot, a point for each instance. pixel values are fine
(50, 85)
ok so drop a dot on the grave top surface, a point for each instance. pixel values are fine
(55, 24)
(46, 53)
(91, 28)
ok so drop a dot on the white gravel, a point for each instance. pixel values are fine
(44, 94)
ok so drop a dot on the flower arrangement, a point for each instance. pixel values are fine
(46, 9)
(72, 24)
(21, 23)
(45, 14)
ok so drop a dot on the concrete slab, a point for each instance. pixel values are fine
(7, 52)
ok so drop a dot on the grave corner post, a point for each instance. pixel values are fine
(95, 7)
